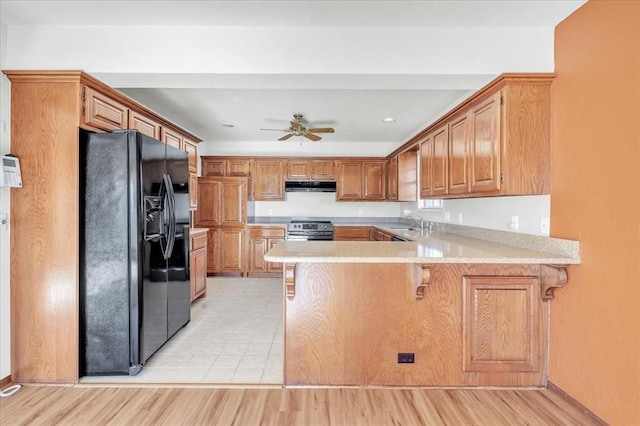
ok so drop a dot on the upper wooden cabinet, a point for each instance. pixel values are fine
(407, 176)
(223, 202)
(392, 178)
(374, 177)
(192, 151)
(303, 169)
(267, 179)
(495, 143)
(225, 166)
(349, 182)
(322, 169)
(102, 112)
(172, 138)
(361, 179)
(144, 124)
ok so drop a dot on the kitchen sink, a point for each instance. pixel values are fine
(401, 228)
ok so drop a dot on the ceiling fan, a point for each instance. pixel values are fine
(299, 129)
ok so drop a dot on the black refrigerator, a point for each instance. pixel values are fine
(134, 249)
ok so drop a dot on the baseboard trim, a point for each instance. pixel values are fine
(5, 381)
(576, 404)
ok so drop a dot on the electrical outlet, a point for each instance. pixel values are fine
(406, 358)
(544, 225)
(447, 216)
(459, 217)
(360, 212)
(270, 212)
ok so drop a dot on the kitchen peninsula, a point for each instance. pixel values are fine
(466, 311)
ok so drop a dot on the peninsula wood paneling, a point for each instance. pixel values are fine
(44, 237)
(346, 324)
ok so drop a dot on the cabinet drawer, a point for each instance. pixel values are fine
(266, 232)
(198, 242)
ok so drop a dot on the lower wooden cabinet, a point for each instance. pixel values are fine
(226, 251)
(351, 233)
(261, 240)
(198, 264)
(378, 235)
(501, 324)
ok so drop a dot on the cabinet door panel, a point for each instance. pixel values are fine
(193, 191)
(232, 256)
(459, 155)
(268, 180)
(426, 163)
(392, 179)
(485, 146)
(192, 151)
(213, 167)
(234, 202)
(349, 180)
(209, 194)
(439, 163)
(238, 167)
(374, 180)
(407, 176)
(102, 112)
(501, 326)
(297, 170)
(322, 170)
(213, 250)
(144, 125)
(257, 249)
(171, 138)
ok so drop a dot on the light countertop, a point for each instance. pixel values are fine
(434, 248)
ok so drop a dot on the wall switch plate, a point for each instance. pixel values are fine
(406, 358)
(447, 216)
(459, 217)
(544, 225)
(515, 223)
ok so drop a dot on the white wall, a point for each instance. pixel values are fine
(5, 115)
(323, 205)
(300, 149)
(493, 212)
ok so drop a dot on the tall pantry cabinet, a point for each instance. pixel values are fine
(223, 210)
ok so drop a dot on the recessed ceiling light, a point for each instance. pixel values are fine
(228, 125)
(389, 120)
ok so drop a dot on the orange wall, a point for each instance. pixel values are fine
(595, 198)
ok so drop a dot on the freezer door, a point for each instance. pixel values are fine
(178, 286)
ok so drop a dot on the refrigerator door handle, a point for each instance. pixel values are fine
(171, 203)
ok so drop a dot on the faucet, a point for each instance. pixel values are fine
(417, 219)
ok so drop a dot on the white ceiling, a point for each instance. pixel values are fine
(318, 63)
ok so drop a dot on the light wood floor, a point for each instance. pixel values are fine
(82, 405)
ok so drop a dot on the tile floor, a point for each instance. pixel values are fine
(235, 336)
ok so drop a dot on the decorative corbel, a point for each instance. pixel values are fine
(421, 277)
(552, 277)
(290, 280)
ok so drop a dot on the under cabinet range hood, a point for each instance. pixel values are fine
(309, 186)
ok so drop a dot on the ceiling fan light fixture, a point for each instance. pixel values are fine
(228, 125)
(388, 120)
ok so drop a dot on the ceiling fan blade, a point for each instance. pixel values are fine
(277, 130)
(312, 137)
(322, 130)
(285, 137)
(296, 126)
